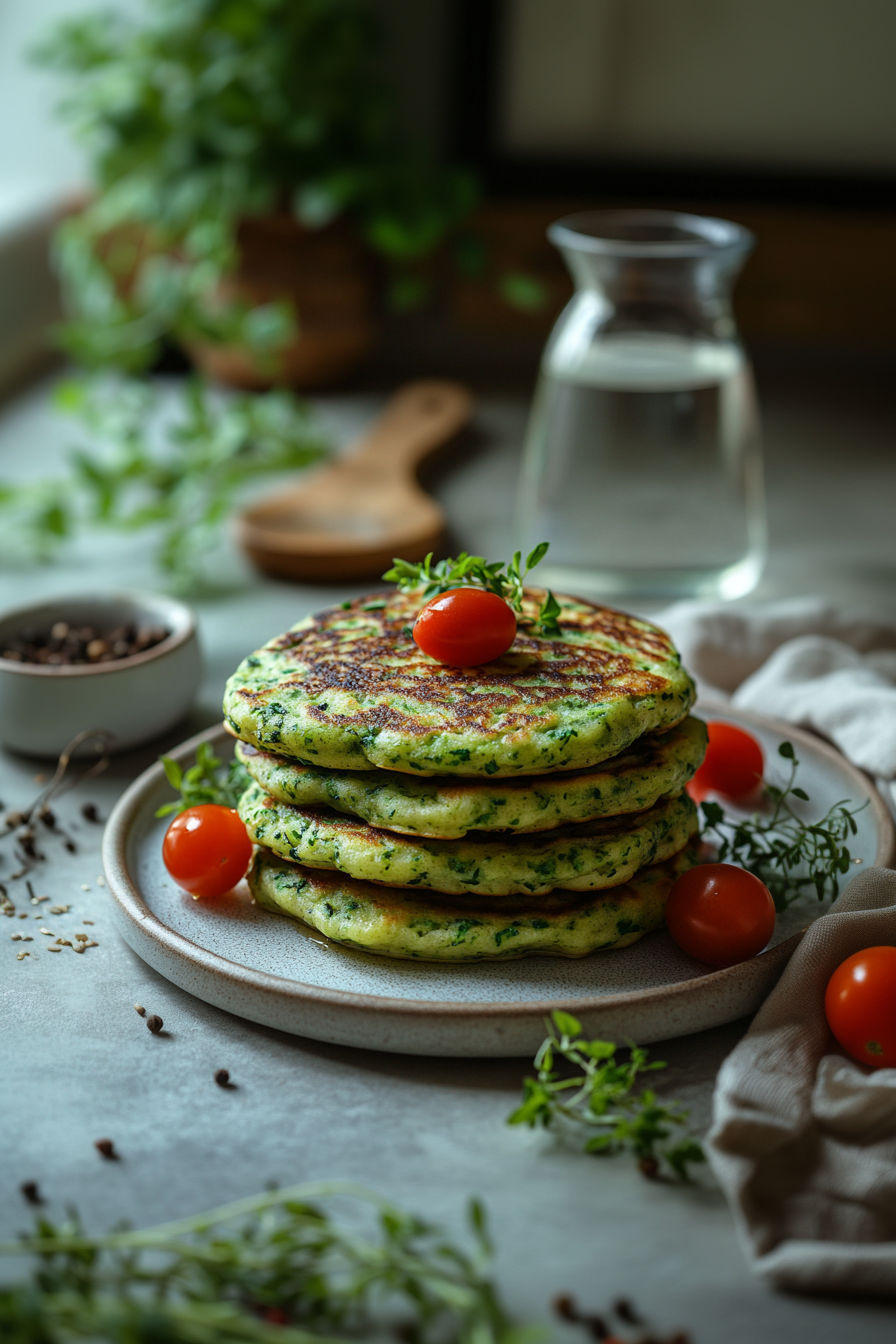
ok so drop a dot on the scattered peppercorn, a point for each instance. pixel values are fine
(626, 1312)
(567, 1309)
(155, 1024)
(222, 1078)
(31, 1192)
(106, 1148)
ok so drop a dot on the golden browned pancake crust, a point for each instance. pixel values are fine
(348, 689)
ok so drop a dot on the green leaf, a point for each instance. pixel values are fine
(547, 616)
(566, 1024)
(525, 292)
(173, 773)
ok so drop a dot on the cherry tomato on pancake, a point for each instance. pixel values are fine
(733, 764)
(720, 914)
(465, 627)
(206, 849)
(860, 1005)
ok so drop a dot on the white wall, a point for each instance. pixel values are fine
(38, 161)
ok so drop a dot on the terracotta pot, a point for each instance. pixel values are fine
(326, 275)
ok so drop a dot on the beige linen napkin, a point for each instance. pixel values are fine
(803, 660)
(803, 1140)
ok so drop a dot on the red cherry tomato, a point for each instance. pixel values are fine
(206, 849)
(860, 1005)
(733, 764)
(465, 627)
(720, 914)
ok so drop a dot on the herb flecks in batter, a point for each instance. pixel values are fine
(474, 571)
(599, 1098)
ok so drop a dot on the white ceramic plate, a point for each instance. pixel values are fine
(273, 970)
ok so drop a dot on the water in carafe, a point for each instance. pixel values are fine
(642, 465)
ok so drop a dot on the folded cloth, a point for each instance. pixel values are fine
(802, 660)
(803, 1140)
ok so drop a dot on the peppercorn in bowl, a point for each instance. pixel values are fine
(127, 663)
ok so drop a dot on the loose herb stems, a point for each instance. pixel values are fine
(599, 1098)
(275, 1266)
(785, 852)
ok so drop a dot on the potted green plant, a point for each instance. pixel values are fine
(245, 170)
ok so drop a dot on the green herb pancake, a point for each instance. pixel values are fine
(398, 923)
(581, 857)
(656, 766)
(348, 689)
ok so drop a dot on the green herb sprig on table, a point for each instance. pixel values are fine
(177, 468)
(276, 1267)
(208, 780)
(474, 571)
(785, 852)
(599, 1098)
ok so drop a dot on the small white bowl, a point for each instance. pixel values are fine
(43, 707)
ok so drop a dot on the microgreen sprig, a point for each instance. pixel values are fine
(600, 1097)
(208, 780)
(785, 852)
(275, 1267)
(474, 571)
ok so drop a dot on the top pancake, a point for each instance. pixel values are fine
(348, 689)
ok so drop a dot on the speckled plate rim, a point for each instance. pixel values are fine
(431, 1026)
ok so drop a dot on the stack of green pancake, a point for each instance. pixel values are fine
(532, 805)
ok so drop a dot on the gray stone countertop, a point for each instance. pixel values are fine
(79, 1064)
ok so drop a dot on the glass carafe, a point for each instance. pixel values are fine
(642, 465)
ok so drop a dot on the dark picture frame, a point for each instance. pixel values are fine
(478, 27)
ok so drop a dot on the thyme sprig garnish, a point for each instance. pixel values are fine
(275, 1267)
(474, 571)
(208, 780)
(599, 1097)
(787, 853)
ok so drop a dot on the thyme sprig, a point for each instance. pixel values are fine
(474, 571)
(600, 1097)
(208, 780)
(275, 1267)
(785, 852)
